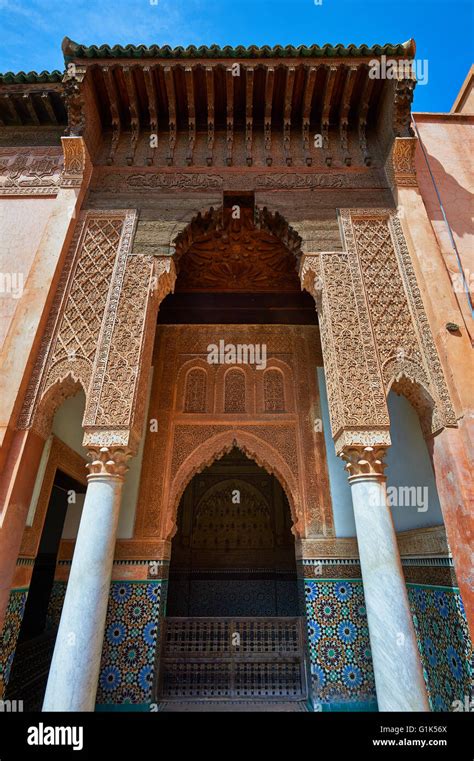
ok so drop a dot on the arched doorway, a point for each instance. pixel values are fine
(233, 629)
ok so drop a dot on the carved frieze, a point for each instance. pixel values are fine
(115, 181)
(70, 339)
(30, 171)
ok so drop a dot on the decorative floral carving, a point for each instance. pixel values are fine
(400, 165)
(76, 162)
(250, 253)
(355, 389)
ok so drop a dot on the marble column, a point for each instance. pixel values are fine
(74, 672)
(398, 673)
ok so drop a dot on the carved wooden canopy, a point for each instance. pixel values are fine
(220, 252)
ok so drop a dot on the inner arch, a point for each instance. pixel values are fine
(233, 553)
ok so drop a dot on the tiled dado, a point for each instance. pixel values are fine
(444, 643)
(132, 632)
(9, 636)
(338, 639)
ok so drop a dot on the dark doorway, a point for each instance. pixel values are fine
(233, 629)
(233, 553)
(37, 634)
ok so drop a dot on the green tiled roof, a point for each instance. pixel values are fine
(72, 50)
(31, 77)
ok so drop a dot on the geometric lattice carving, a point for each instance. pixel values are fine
(234, 391)
(407, 354)
(118, 393)
(273, 391)
(356, 395)
(222, 523)
(195, 396)
(70, 340)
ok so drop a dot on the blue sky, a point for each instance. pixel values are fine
(31, 30)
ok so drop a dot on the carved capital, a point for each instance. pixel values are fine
(108, 461)
(364, 461)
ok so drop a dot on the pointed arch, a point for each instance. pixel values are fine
(64, 387)
(414, 390)
(213, 449)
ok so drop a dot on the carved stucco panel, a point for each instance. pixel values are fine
(355, 390)
(282, 442)
(70, 339)
(407, 354)
(118, 389)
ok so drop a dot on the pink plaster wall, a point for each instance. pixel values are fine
(22, 223)
(448, 142)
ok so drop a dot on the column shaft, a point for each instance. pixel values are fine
(74, 672)
(398, 673)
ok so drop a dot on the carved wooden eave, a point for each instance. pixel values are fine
(344, 112)
(238, 106)
(33, 104)
(152, 111)
(307, 101)
(170, 92)
(134, 111)
(230, 114)
(269, 79)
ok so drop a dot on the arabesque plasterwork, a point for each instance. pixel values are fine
(102, 286)
(374, 335)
